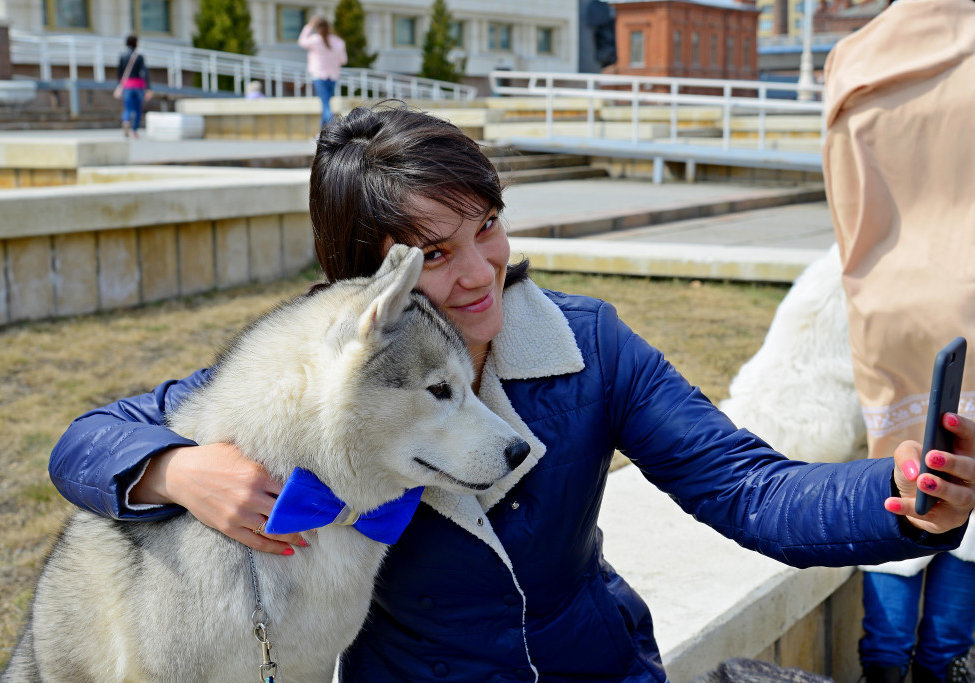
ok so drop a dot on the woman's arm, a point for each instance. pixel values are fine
(306, 38)
(799, 513)
(120, 461)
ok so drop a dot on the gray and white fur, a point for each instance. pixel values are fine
(365, 384)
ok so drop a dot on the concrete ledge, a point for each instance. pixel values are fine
(712, 600)
(26, 152)
(717, 262)
(207, 194)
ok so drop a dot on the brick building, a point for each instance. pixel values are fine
(686, 38)
(846, 16)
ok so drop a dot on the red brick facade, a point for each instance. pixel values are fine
(683, 38)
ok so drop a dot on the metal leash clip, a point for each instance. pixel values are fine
(268, 666)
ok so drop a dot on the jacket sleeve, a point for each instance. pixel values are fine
(105, 451)
(799, 513)
(307, 36)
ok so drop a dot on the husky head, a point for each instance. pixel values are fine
(366, 384)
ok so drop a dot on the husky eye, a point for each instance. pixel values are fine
(441, 391)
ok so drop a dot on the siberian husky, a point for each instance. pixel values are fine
(365, 384)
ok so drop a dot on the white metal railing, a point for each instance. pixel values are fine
(731, 96)
(100, 53)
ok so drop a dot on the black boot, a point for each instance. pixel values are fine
(958, 672)
(875, 673)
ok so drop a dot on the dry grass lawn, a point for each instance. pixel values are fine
(51, 372)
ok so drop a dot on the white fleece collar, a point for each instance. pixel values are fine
(535, 341)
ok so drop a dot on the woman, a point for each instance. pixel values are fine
(909, 70)
(326, 53)
(133, 80)
(511, 584)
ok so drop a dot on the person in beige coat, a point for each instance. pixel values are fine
(900, 171)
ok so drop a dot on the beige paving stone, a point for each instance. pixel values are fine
(4, 311)
(232, 253)
(846, 624)
(265, 247)
(804, 644)
(31, 291)
(264, 128)
(75, 273)
(47, 177)
(299, 244)
(8, 177)
(279, 127)
(118, 268)
(196, 267)
(160, 263)
(246, 127)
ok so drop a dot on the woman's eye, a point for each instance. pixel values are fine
(432, 255)
(489, 223)
(441, 391)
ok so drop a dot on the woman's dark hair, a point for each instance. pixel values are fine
(131, 41)
(325, 31)
(371, 163)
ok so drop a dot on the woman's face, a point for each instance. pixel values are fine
(465, 262)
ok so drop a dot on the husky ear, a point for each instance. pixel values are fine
(392, 285)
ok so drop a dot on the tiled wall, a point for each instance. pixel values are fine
(69, 274)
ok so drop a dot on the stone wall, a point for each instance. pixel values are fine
(133, 235)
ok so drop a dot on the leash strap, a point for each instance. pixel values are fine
(261, 621)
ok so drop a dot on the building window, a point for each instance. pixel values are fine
(456, 33)
(290, 22)
(151, 16)
(713, 52)
(729, 57)
(499, 36)
(678, 59)
(404, 32)
(748, 52)
(765, 25)
(636, 48)
(67, 14)
(695, 49)
(545, 40)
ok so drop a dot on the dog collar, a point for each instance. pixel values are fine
(306, 503)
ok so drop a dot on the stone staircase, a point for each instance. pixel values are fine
(517, 167)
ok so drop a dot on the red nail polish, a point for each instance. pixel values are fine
(289, 551)
(936, 460)
(893, 505)
(303, 543)
(929, 484)
(951, 420)
(910, 470)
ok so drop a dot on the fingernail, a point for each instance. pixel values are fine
(951, 420)
(303, 543)
(893, 505)
(929, 484)
(936, 459)
(910, 470)
(289, 551)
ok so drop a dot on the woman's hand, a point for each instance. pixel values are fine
(221, 488)
(951, 479)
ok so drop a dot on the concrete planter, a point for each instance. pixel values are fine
(14, 94)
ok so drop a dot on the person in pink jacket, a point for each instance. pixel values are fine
(326, 54)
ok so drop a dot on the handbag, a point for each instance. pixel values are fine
(117, 93)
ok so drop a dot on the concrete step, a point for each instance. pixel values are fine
(539, 175)
(520, 161)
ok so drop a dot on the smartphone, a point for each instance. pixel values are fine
(949, 366)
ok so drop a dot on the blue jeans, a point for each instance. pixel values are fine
(132, 106)
(891, 606)
(324, 89)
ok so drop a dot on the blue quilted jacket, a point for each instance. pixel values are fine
(514, 586)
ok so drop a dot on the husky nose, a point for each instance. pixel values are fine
(516, 453)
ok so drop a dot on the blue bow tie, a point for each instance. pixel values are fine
(306, 503)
